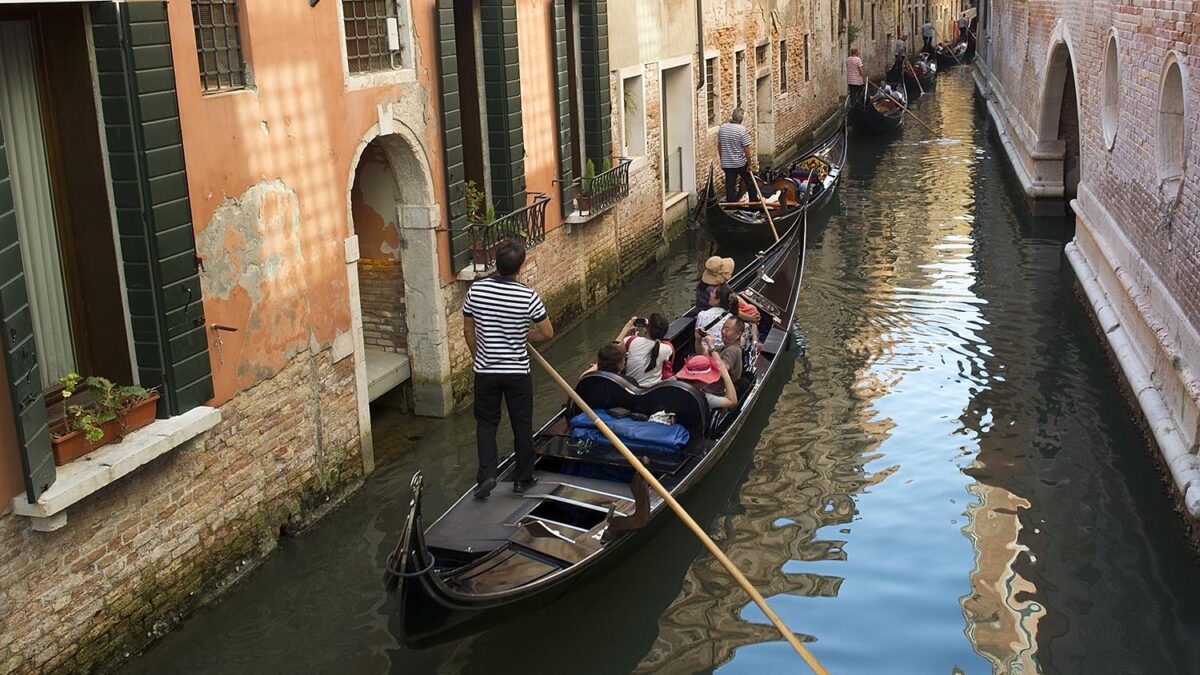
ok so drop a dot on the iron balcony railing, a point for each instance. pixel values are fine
(527, 224)
(596, 195)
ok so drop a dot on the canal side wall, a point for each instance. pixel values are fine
(1137, 201)
(139, 555)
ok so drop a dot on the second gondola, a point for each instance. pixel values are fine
(804, 186)
(880, 113)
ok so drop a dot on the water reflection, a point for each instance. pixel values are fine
(948, 481)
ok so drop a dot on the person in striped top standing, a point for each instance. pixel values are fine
(497, 315)
(855, 79)
(733, 145)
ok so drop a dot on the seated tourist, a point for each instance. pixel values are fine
(723, 304)
(717, 271)
(706, 372)
(610, 359)
(647, 358)
(731, 348)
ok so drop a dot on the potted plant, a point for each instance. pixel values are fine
(479, 214)
(113, 412)
(583, 202)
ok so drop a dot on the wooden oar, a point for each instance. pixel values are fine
(948, 49)
(683, 515)
(905, 109)
(915, 76)
(762, 201)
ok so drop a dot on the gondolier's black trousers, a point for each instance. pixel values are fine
(731, 176)
(856, 93)
(517, 392)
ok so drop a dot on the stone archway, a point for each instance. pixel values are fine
(400, 327)
(1056, 154)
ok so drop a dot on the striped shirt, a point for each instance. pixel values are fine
(854, 70)
(502, 308)
(732, 141)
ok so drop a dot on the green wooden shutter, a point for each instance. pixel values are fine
(20, 352)
(502, 92)
(562, 84)
(597, 104)
(149, 182)
(452, 138)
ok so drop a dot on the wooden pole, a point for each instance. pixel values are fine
(762, 201)
(915, 76)
(905, 109)
(683, 515)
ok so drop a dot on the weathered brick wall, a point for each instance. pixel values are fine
(381, 288)
(136, 556)
(1124, 180)
(1137, 237)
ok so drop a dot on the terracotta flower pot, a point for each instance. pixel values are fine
(70, 446)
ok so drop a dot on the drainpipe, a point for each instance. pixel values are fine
(700, 44)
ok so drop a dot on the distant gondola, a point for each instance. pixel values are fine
(488, 559)
(948, 57)
(877, 114)
(920, 74)
(806, 185)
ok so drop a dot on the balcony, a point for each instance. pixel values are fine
(527, 224)
(598, 195)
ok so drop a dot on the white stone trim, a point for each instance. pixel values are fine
(1013, 137)
(675, 62)
(1148, 333)
(105, 466)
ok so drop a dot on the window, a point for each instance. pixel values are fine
(218, 45)
(806, 57)
(1109, 113)
(1171, 138)
(633, 118)
(372, 35)
(783, 63)
(872, 21)
(760, 56)
(711, 73)
(739, 77)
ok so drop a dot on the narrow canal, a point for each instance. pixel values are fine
(949, 481)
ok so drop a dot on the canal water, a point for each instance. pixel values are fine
(945, 478)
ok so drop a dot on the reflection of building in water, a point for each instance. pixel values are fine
(1001, 621)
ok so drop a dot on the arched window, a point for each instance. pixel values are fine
(1172, 149)
(1111, 111)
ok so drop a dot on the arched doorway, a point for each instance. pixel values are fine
(400, 323)
(1058, 127)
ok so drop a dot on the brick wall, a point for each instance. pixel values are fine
(1137, 239)
(136, 556)
(381, 288)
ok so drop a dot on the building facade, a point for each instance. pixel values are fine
(271, 213)
(1095, 104)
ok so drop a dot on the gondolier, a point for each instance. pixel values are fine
(855, 80)
(496, 318)
(733, 144)
(927, 35)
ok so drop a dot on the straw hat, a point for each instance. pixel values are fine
(717, 271)
(700, 368)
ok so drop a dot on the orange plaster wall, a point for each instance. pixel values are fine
(539, 111)
(300, 128)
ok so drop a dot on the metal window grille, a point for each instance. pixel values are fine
(760, 56)
(783, 74)
(218, 45)
(372, 35)
(710, 74)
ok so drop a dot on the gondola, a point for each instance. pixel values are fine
(485, 560)
(877, 114)
(805, 186)
(921, 70)
(948, 57)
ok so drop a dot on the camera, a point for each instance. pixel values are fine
(640, 322)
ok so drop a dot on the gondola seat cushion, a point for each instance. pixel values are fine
(637, 435)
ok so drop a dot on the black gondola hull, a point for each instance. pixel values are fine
(867, 119)
(431, 613)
